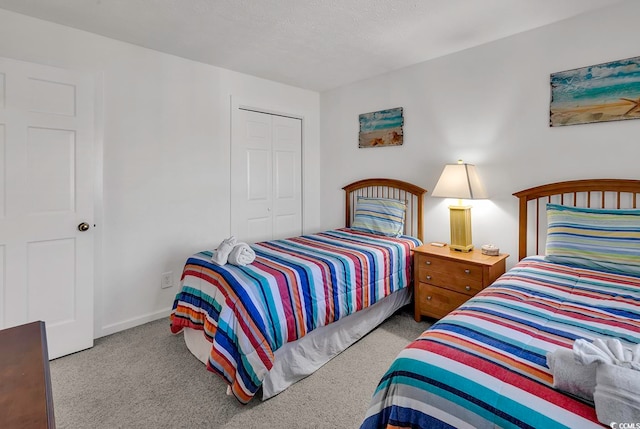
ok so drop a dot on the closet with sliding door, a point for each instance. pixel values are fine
(266, 175)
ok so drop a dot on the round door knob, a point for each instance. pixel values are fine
(428, 298)
(428, 277)
(83, 226)
(428, 262)
(467, 271)
(467, 287)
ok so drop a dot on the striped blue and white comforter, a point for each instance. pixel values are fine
(484, 365)
(292, 287)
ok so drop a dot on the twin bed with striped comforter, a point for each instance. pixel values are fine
(484, 365)
(292, 287)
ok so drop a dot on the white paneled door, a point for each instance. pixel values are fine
(266, 176)
(46, 202)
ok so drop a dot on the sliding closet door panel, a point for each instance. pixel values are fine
(287, 177)
(251, 172)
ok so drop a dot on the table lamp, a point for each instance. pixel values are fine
(460, 181)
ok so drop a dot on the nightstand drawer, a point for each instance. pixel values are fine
(461, 284)
(437, 302)
(444, 279)
(453, 268)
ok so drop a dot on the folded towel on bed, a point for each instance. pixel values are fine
(221, 254)
(572, 376)
(608, 351)
(617, 394)
(242, 254)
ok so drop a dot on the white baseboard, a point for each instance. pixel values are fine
(132, 323)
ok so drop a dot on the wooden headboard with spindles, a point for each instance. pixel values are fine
(389, 188)
(594, 193)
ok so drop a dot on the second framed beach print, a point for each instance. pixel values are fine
(598, 93)
(381, 128)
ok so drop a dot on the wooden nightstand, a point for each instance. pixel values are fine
(444, 279)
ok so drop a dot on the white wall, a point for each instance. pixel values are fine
(489, 106)
(165, 125)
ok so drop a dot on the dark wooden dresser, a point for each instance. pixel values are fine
(25, 383)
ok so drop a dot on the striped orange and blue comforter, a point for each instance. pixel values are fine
(292, 287)
(484, 365)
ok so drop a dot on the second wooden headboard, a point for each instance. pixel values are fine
(595, 193)
(389, 188)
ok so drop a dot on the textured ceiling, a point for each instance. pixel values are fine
(313, 44)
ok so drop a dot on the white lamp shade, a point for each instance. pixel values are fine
(459, 181)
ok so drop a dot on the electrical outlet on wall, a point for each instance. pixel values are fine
(166, 280)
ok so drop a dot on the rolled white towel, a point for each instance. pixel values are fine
(617, 394)
(242, 255)
(607, 351)
(588, 352)
(572, 376)
(221, 254)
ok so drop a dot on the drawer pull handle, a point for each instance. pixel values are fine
(428, 277)
(429, 298)
(467, 287)
(428, 262)
(467, 271)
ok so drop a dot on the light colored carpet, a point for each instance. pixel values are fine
(146, 378)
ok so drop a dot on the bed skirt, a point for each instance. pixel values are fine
(298, 359)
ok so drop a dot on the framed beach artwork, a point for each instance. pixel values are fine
(381, 128)
(599, 93)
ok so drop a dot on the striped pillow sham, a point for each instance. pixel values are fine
(382, 216)
(604, 239)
